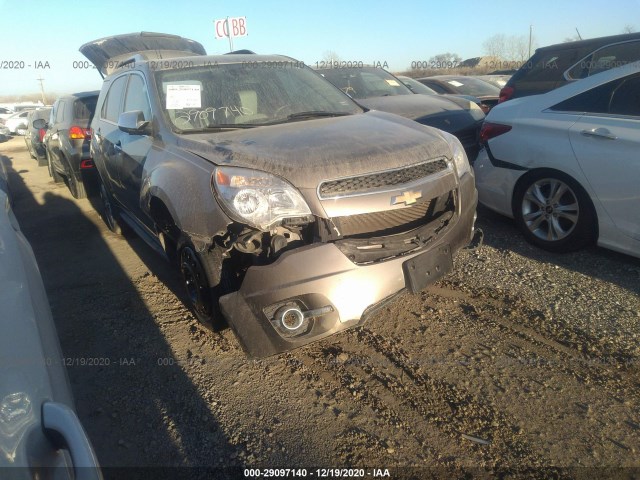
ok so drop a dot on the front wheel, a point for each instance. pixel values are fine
(554, 212)
(201, 275)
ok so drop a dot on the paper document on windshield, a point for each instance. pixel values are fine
(183, 96)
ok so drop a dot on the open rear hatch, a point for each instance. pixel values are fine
(108, 53)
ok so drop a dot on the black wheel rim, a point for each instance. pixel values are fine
(195, 282)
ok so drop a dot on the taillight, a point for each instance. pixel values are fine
(88, 163)
(492, 130)
(505, 94)
(41, 134)
(79, 133)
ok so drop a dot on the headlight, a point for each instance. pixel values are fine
(256, 198)
(476, 111)
(459, 156)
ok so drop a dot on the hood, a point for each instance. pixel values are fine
(106, 53)
(410, 106)
(309, 151)
(434, 111)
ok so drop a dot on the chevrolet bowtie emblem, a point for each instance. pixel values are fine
(408, 198)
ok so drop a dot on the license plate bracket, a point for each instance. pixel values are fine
(426, 268)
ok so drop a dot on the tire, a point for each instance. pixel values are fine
(76, 186)
(554, 212)
(201, 274)
(57, 178)
(110, 212)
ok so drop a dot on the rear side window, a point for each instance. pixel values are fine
(136, 97)
(619, 97)
(550, 66)
(60, 113)
(111, 108)
(605, 58)
(83, 108)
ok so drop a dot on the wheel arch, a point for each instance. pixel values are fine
(562, 175)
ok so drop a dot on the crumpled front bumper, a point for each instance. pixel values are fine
(320, 278)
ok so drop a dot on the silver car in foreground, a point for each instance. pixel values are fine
(40, 434)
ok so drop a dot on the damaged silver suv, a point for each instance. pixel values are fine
(291, 211)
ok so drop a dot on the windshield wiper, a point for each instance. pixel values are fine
(316, 113)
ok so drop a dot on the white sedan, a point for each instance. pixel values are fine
(566, 164)
(17, 123)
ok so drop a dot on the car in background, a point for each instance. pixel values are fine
(556, 65)
(377, 89)
(463, 85)
(68, 139)
(17, 123)
(40, 433)
(33, 136)
(5, 134)
(5, 113)
(565, 164)
(496, 80)
(243, 173)
(420, 88)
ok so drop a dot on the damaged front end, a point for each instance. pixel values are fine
(304, 277)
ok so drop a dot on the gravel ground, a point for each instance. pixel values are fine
(519, 361)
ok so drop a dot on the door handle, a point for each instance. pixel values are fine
(600, 133)
(117, 146)
(64, 428)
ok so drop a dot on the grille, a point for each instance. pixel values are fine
(366, 183)
(383, 223)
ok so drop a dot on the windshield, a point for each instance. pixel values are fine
(365, 82)
(472, 86)
(417, 87)
(245, 95)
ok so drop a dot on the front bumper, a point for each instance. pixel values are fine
(321, 278)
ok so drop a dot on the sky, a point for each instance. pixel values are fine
(40, 38)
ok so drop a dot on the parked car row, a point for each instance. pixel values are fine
(239, 175)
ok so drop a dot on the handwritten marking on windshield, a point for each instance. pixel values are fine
(210, 113)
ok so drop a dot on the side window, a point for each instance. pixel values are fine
(59, 113)
(111, 108)
(136, 97)
(626, 98)
(606, 58)
(621, 96)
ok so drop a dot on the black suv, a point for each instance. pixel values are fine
(553, 66)
(288, 208)
(67, 140)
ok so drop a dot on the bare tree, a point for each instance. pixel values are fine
(445, 60)
(513, 48)
(629, 29)
(495, 46)
(329, 56)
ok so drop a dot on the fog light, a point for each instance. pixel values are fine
(290, 317)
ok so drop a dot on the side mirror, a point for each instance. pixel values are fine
(40, 123)
(133, 123)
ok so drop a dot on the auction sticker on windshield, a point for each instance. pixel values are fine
(183, 96)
